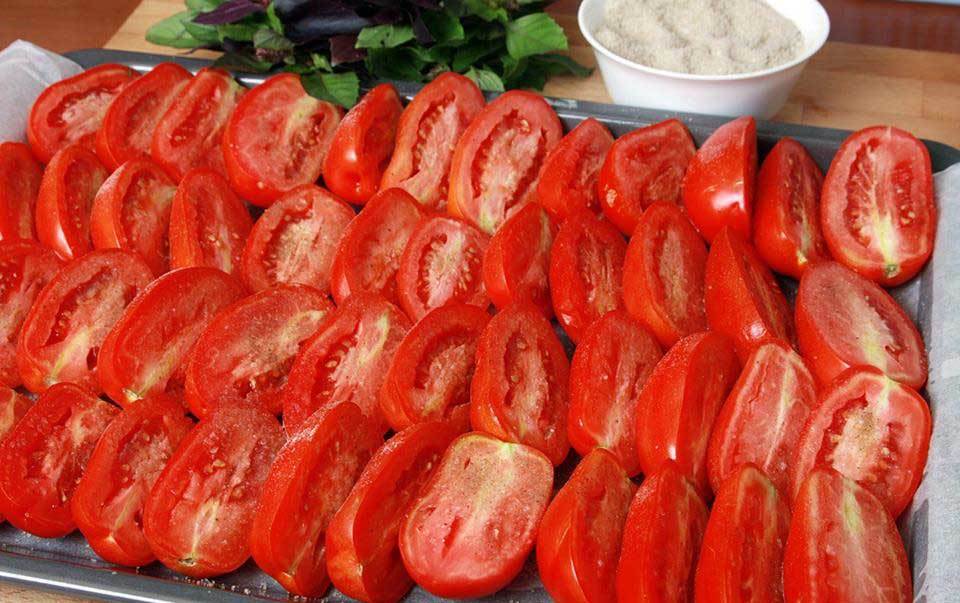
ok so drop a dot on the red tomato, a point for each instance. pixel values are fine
(741, 559)
(44, 455)
(586, 272)
(569, 179)
(516, 264)
(368, 257)
(679, 402)
(197, 516)
(428, 131)
(362, 550)
(609, 368)
(843, 545)
(641, 168)
(663, 274)
(295, 239)
(345, 361)
(718, 188)
(189, 133)
(519, 390)
(71, 110)
(67, 190)
(20, 176)
(362, 145)
(429, 378)
(786, 220)
(209, 223)
(496, 165)
(844, 320)
(761, 421)
(484, 503)
(743, 299)
(132, 115)
(877, 212)
(661, 540)
(246, 351)
(144, 353)
(442, 263)
(108, 502)
(72, 315)
(12, 408)
(579, 541)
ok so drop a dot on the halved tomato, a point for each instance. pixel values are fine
(429, 129)
(496, 165)
(20, 176)
(12, 408)
(516, 265)
(483, 505)
(569, 179)
(643, 167)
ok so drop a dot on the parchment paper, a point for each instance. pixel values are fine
(25, 70)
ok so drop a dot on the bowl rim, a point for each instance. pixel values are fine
(678, 75)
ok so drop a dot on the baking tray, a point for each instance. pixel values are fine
(68, 565)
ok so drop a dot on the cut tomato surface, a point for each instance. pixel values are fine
(12, 408)
(569, 179)
(20, 176)
(516, 265)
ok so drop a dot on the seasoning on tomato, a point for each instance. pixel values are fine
(20, 176)
(12, 408)
(516, 265)
(569, 179)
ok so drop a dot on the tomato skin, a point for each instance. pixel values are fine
(896, 167)
(514, 269)
(580, 535)
(718, 189)
(786, 219)
(20, 176)
(123, 467)
(495, 492)
(12, 408)
(569, 178)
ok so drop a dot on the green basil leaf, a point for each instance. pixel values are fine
(172, 32)
(271, 40)
(273, 20)
(339, 88)
(470, 54)
(203, 33)
(238, 32)
(321, 62)
(534, 34)
(203, 6)
(395, 64)
(488, 10)
(236, 61)
(384, 36)
(486, 79)
(443, 26)
(560, 64)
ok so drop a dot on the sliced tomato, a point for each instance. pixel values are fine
(368, 257)
(63, 332)
(761, 421)
(609, 368)
(209, 223)
(877, 212)
(497, 162)
(197, 516)
(130, 454)
(569, 179)
(44, 455)
(786, 219)
(71, 110)
(134, 113)
(429, 129)
(844, 320)
(843, 545)
(586, 272)
(20, 176)
(484, 504)
(442, 263)
(643, 167)
(144, 353)
(12, 408)
(345, 361)
(246, 351)
(578, 545)
(69, 185)
(516, 265)
(718, 188)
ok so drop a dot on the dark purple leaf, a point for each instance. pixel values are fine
(230, 11)
(421, 31)
(343, 50)
(387, 16)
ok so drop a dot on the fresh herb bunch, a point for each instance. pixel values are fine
(333, 44)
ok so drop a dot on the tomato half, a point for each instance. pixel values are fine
(484, 503)
(718, 188)
(108, 502)
(429, 129)
(71, 110)
(844, 320)
(69, 185)
(246, 351)
(642, 167)
(144, 352)
(12, 408)
(877, 212)
(132, 116)
(786, 219)
(569, 179)
(579, 541)
(197, 516)
(843, 545)
(20, 176)
(44, 455)
(496, 165)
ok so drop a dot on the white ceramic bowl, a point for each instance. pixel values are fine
(760, 93)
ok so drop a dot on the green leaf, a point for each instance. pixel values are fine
(203, 33)
(488, 10)
(238, 32)
(384, 36)
(395, 64)
(203, 6)
(340, 88)
(486, 79)
(236, 61)
(273, 20)
(560, 64)
(443, 26)
(534, 34)
(321, 62)
(172, 32)
(468, 55)
(271, 40)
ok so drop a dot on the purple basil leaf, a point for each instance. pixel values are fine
(421, 31)
(387, 16)
(343, 50)
(230, 11)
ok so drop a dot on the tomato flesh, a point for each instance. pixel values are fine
(516, 265)
(20, 176)
(569, 179)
